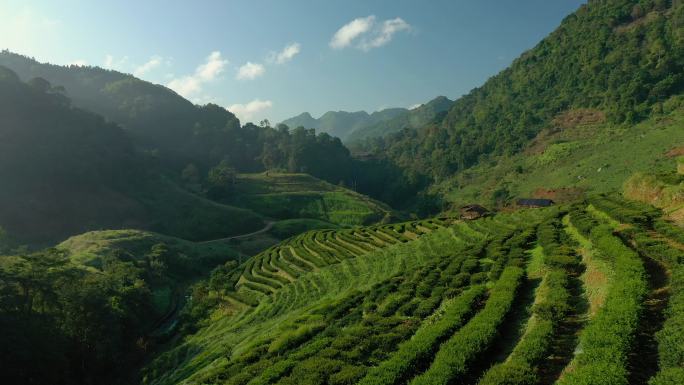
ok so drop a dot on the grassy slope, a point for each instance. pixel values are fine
(288, 196)
(227, 335)
(238, 332)
(665, 191)
(185, 215)
(593, 158)
(87, 249)
(291, 227)
(92, 248)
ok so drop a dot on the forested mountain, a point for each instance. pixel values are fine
(157, 117)
(416, 118)
(178, 131)
(100, 175)
(341, 123)
(352, 127)
(57, 161)
(180, 135)
(624, 58)
(66, 171)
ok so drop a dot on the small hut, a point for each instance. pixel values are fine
(473, 212)
(531, 202)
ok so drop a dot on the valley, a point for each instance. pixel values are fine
(157, 229)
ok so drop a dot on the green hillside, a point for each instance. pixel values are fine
(353, 127)
(578, 155)
(624, 58)
(285, 196)
(416, 118)
(342, 124)
(89, 249)
(181, 247)
(426, 302)
(663, 190)
(66, 171)
(157, 117)
(180, 261)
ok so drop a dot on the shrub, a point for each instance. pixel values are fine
(607, 338)
(456, 354)
(292, 338)
(419, 348)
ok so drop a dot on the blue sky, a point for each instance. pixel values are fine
(275, 59)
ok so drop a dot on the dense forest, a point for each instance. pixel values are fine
(98, 175)
(177, 133)
(624, 58)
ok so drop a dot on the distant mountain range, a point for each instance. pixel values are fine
(360, 125)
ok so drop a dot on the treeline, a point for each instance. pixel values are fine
(66, 323)
(176, 134)
(302, 150)
(623, 57)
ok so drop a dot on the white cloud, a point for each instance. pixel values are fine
(284, 56)
(111, 63)
(207, 72)
(154, 62)
(350, 31)
(79, 63)
(246, 112)
(212, 68)
(413, 107)
(367, 33)
(250, 71)
(384, 34)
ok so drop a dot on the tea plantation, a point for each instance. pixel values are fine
(582, 294)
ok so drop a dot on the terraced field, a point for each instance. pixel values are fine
(311, 251)
(585, 294)
(288, 196)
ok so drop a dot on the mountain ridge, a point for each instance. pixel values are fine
(359, 125)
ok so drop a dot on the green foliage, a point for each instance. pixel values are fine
(607, 338)
(221, 179)
(81, 325)
(456, 354)
(599, 57)
(668, 376)
(290, 339)
(552, 306)
(290, 227)
(285, 195)
(670, 230)
(626, 211)
(427, 113)
(423, 344)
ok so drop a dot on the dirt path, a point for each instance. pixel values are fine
(168, 321)
(269, 226)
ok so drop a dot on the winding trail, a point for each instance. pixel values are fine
(168, 321)
(268, 226)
